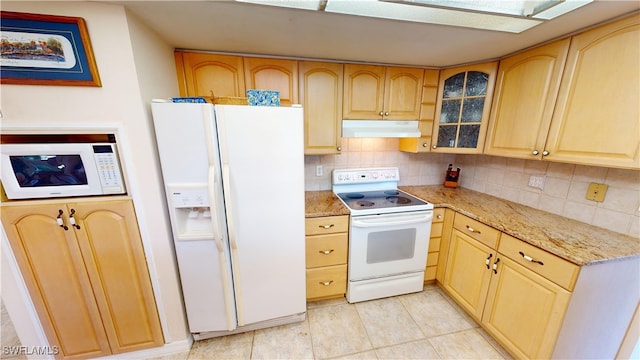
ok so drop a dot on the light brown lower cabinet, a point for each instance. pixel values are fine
(512, 288)
(327, 243)
(85, 269)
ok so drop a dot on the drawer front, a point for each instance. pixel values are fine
(438, 215)
(434, 244)
(477, 230)
(326, 250)
(430, 273)
(436, 229)
(327, 225)
(539, 261)
(432, 259)
(326, 281)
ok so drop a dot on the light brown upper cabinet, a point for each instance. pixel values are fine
(321, 97)
(526, 91)
(273, 74)
(202, 74)
(462, 110)
(427, 113)
(597, 118)
(373, 92)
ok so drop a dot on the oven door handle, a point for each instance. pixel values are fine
(379, 221)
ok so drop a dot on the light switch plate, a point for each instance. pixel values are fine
(596, 192)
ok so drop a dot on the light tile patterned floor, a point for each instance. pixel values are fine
(425, 325)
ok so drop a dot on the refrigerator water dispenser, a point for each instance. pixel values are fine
(191, 213)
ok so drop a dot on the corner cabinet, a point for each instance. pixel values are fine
(373, 92)
(427, 115)
(273, 74)
(597, 119)
(517, 292)
(207, 75)
(321, 98)
(526, 91)
(462, 110)
(85, 269)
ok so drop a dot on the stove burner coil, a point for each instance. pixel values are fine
(392, 192)
(355, 196)
(398, 200)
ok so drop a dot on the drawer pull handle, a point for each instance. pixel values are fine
(488, 261)
(59, 220)
(72, 220)
(326, 283)
(495, 266)
(530, 259)
(325, 252)
(473, 230)
(326, 226)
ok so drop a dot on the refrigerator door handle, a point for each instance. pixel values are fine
(212, 202)
(233, 245)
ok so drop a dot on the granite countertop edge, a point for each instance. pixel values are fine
(574, 241)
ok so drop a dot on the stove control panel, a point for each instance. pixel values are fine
(361, 176)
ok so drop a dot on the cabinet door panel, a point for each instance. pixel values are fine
(597, 118)
(467, 277)
(115, 260)
(363, 92)
(211, 74)
(273, 74)
(526, 90)
(52, 267)
(462, 110)
(524, 311)
(403, 92)
(321, 96)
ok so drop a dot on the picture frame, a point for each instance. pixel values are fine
(41, 49)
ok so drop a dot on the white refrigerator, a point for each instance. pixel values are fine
(234, 181)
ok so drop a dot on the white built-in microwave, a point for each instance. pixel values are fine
(57, 169)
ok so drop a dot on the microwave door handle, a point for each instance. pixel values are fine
(377, 222)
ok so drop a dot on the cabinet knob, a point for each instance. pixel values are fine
(339, 148)
(386, 113)
(434, 146)
(425, 145)
(535, 152)
(439, 216)
(381, 113)
(545, 153)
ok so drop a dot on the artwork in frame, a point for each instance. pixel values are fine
(46, 50)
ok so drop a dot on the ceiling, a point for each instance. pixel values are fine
(229, 26)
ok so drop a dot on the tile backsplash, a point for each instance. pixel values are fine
(563, 193)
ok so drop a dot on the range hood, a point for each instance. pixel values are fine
(380, 128)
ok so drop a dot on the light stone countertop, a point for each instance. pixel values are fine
(577, 242)
(323, 203)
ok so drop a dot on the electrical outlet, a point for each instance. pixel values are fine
(319, 170)
(537, 181)
(596, 192)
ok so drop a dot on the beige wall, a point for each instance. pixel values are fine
(135, 66)
(563, 194)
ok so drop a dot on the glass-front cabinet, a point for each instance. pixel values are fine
(462, 111)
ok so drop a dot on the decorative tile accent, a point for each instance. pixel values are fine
(259, 97)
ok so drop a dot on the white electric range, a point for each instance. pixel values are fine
(388, 234)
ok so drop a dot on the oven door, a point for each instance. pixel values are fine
(388, 244)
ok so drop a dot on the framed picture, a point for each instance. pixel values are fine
(46, 50)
